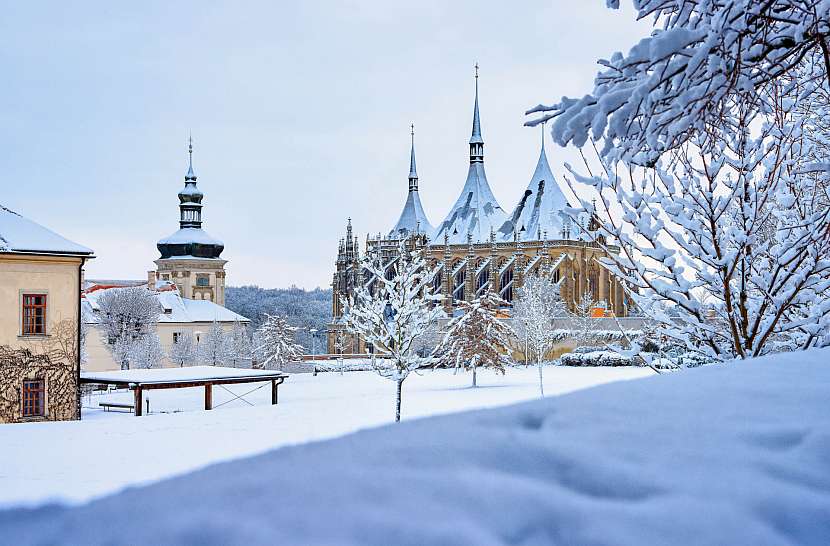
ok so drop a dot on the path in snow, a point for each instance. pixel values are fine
(107, 451)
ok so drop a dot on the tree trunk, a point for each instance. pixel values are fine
(398, 401)
(474, 376)
(341, 366)
(541, 384)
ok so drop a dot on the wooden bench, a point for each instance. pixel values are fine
(113, 405)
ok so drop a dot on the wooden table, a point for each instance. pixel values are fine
(180, 378)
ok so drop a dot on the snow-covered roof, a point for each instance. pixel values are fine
(190, 235)
(19, 234)
(176, 375)
(540, 210)
(176, 308)
(413, 218)
(476, 211)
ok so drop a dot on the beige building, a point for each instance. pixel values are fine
(40, 284)
(179, 316)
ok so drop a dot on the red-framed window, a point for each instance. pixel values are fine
(34, 397)
(34, 314)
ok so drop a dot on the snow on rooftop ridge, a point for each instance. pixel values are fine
(176, 308)
(190, 235)
(540, 210)
(19, 234)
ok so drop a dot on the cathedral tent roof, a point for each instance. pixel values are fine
(475, 212)
(540, 209)
(413, 218)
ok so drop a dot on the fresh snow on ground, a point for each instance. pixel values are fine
(107, 451)
(734, 454)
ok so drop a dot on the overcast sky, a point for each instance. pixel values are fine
(300, 116)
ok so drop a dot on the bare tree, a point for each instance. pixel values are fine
(125, 315)
(537, 304)
(392, 317)
(583, 323)
(145, 351)
(239, 345)
(477, 338)
(213, 346)
(183, 351)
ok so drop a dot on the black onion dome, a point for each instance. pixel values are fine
(191, 241)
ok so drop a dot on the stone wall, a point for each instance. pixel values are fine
(59, 375)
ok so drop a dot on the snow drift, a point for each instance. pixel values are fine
(736, 454)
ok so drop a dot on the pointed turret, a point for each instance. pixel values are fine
(413, 172)
(540, 208)
(476, 210)
(190, 240)
(413, 219)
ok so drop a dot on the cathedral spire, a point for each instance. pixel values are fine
(413, 173)
(413, 219)
(476, 140)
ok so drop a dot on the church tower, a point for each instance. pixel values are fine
(190, 257)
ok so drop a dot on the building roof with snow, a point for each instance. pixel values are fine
(19, 234)
(476, 212)
(190, 241)
(539, 212)
(413, 219)
(176, 309)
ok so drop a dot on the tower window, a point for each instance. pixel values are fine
(202, 280)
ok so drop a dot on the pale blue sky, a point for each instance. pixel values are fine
(300, 115)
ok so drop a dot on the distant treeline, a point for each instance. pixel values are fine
(307, 309)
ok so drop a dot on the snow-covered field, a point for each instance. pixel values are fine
(736, 454)
(106, 451)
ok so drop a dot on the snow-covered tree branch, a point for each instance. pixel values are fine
(714, 169)
(392, 316)
(703, 58)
